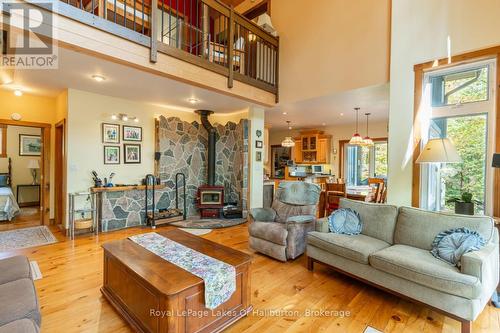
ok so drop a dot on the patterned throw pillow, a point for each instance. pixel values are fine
(345, 221)
(451, 244)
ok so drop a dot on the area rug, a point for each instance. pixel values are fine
(27, 237)
(197, 232)
(197, 223)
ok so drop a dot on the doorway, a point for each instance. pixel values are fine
(24, 174)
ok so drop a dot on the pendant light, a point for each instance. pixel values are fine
(356, 138)
(367, 141)
(288, 141)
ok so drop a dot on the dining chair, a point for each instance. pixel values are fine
(379, 185)
(334, 191)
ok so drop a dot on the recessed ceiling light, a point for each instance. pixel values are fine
(285, 113)
(341, 114)
(193, 100)
(324, 124)
(18, 92)
(98, 78)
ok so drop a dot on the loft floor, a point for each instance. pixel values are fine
(72, 275)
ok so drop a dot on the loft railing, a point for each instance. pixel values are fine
(207, 33)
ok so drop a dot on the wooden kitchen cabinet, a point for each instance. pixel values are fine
(323, 155)
(312, 147)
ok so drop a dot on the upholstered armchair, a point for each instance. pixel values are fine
(280, 231)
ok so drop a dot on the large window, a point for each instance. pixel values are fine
(462, 111)
(361, 163)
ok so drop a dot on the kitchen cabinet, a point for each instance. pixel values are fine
(297, 151)
(312, 147)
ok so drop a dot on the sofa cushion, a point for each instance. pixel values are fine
(14, 268)
(379, 220)
(18, 300)
(418, 227)
(20, 326)
(421, 267)
(354, 247)
(273, 232)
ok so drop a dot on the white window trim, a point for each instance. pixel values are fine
(473, 108)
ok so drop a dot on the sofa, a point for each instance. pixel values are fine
(393, 253)
(280, 231)
(19, 308)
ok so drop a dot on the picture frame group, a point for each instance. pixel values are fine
(113, 135)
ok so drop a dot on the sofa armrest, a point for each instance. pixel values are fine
(301, 219)
(322, 225)
(263, 214)
(483, 264)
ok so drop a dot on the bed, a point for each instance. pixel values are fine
(8, 204)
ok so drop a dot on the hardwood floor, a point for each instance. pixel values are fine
(28, 217)
(72, 302)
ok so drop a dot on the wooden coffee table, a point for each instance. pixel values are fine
(154, 295)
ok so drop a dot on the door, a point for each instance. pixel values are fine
(60, 174)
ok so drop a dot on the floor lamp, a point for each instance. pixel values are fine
(438, 151)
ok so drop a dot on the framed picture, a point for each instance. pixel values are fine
(132, 153)
(259, 144)
(258, 156)
(111, 154)
(110, 133)
(30, 145)
(132, 133)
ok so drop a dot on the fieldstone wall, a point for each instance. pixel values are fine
(183, 148)
(123, 209)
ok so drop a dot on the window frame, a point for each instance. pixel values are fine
(343, 158)
(487, 107)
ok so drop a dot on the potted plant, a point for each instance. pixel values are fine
(464, 204)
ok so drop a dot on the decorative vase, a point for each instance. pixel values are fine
(464, 208)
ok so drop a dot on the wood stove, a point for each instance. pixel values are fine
(210, 196)
(210, 201)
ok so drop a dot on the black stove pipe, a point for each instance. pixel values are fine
(212, 137)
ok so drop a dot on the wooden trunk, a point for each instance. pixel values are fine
(154, 295)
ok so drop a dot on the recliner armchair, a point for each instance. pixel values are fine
(280, 231)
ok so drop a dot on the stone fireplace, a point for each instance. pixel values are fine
(183, 148)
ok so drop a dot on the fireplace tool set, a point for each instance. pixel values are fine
(161, 216)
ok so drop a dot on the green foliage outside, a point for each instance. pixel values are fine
(469, 136)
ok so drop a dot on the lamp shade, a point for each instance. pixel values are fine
(439, 151)
(496, 161)
(288, 142)
(33, 164)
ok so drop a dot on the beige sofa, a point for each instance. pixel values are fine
(392, 253)
(19, 309)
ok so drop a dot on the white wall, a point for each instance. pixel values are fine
(344, 132)
(20, 173)
(256, 168)
(420, 30)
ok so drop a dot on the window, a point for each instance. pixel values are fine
(461, 87)
(363, 162)
(460, 110)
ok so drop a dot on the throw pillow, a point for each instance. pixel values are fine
(345, 221)
(451, 244)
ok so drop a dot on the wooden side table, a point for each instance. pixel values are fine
(27, 204)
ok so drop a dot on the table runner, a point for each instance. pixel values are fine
(219, 277)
